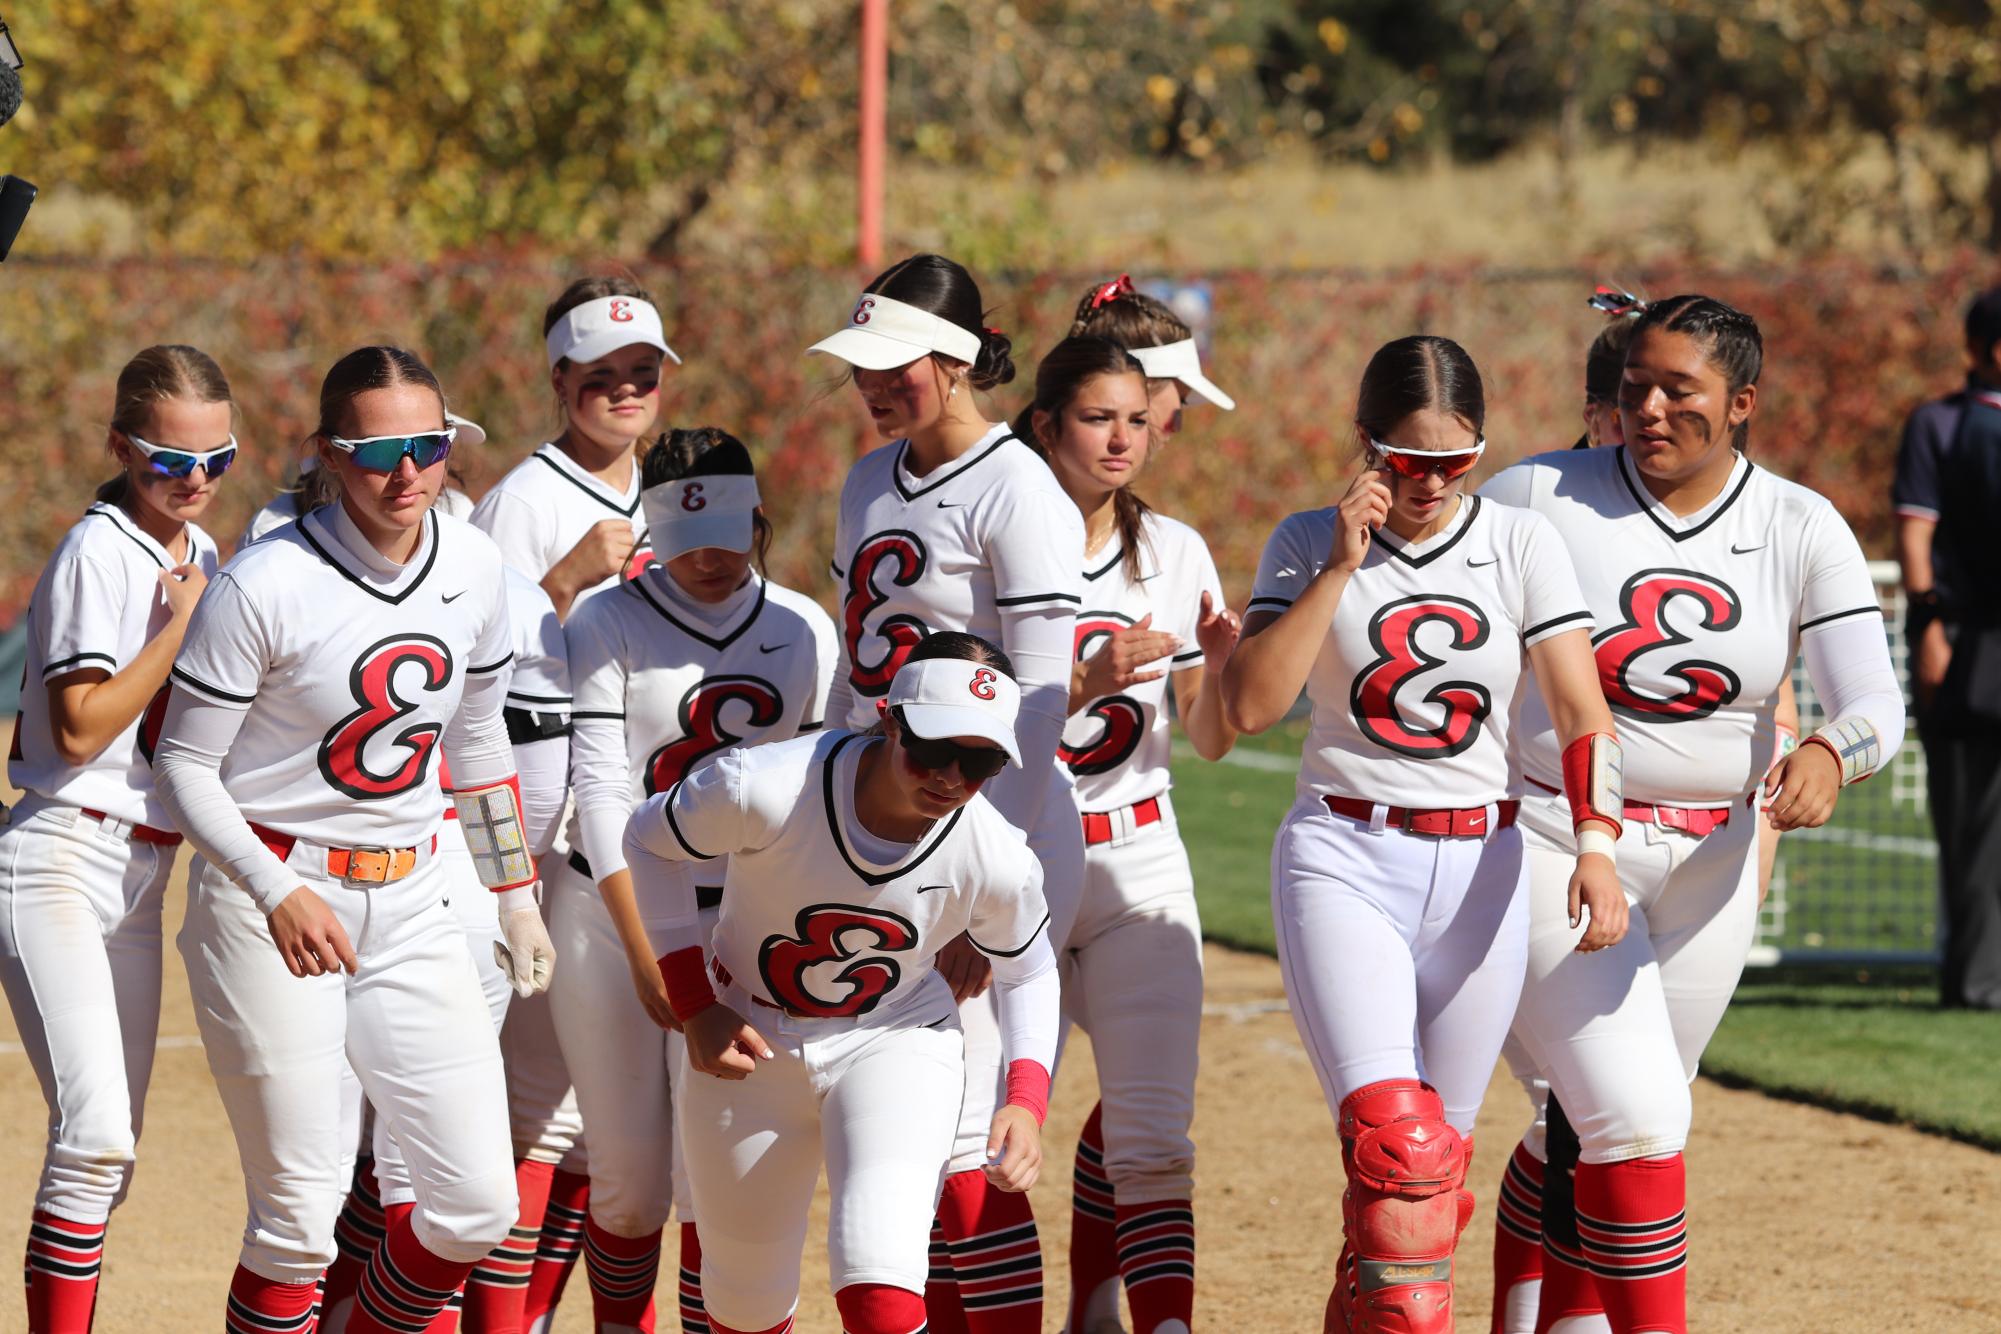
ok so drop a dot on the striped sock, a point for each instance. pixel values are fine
(996, 1254)
(1517, 1244)
(407, 1290)
(1632, 1223)
(498, 1288)
(1157, 1260)
(622, 1273)
(941, 1288)
(878, 1308)
(265, 1306)
(64, 1257)
(1094, 1255)
(561, 1242)
(694, 1315)
(357, 1234)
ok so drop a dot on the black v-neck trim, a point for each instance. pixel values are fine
(616, 507)
(958, 468)
(118, 519)
(1465, 527)
(1108, 567)
(393, 599)
(832, 801)
(1647, 502)
(750, 617)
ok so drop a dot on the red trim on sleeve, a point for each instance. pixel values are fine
(688, 989)
(1028, 1088)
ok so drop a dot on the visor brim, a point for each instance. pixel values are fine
(598, 346)
(870, 351)
(942, 722)
(728, 532)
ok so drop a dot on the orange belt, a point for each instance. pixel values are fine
(353, 866)
(140, 833)
(1098, 825)
(1445, 822)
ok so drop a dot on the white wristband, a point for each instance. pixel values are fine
(1598, 841)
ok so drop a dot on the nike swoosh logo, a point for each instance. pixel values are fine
(1736, 550)
(1481, 564)
(951, 504)
(926, 889)
(769, 648)
(453, 597)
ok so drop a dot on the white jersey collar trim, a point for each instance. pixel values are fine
(910, 486)
(626, 503)
(122, 521)
(1677, 526)
(1431, 548)
(838, 770)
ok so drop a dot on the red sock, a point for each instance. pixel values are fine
(622, 1272)
(561, 1242)
(407, 1290)
(1094, 1254)
(64, 1257)
(694, 1315)
(1517, 1231)
(498, 1288)
(357, 1232)
(996, 1255)
(1632, 1222)
(878, 1308)
(1157, 1260)
(265, 1306)
(946, 1314)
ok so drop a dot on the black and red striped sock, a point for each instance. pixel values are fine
(1517, 1234)
(407, 1289)
(357, 1232)
(497, 1291)
(265, 1306)
(63, 1262)
(694, 1314)
(1094, 1253)
(622, 1272)
(559, 1247)
(1157, 1261)
(996, 1254)
(941, 1288)
(1632, 1223)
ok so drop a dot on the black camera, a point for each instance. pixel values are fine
(15, 194)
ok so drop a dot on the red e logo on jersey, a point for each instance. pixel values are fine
(692, 498)
(1123, 717)
(899, 555)
(621, 311)
(702, 731)
(983, 683)
(824, 930)
(377, 679)
(1374, 702)
(1644, 603)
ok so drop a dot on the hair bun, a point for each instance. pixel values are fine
(995, 364)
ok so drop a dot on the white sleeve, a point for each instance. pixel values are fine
(1552, 603)
(226, 651)
(700, 818)
(1288, 563)
(1194, 575)
(475, 740)
(1513, 485)
(195, 735)
(1837, 586)
(1029, 997)
(1039, 641)
(598, 763)
(519, 530)
(1848, 661)
(77, 617)
(826, 661)
(544, 766)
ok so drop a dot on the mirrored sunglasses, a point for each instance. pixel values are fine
(1415, 463)
(385, 453)
(976, 763)
(170, 462)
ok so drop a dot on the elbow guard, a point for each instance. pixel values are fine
(1855, 745)
(1593, 779)
(496, 835)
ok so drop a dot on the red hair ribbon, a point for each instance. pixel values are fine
(1112, 291)
(1614, 301)
(995, 332)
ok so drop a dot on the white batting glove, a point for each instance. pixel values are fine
(525, 955)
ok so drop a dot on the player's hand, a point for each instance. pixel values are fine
(652, 989)
(526, 957)
(967, 971)
(1216, 631)
(181, 587)
(1595, 892)
(1803, 787)
(598, 555)
(309, 937)
(1364, 509)
(1127, 650)
(722, 1043)
(1014, 1150)
(1934, 657)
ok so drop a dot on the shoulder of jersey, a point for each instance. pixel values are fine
(776, 774)
(526, 599)
(105, 533)
(1170, 535)
(467, 540)
(523, 474)
(1784, 494)
(874, 468)
(1001, 834)
(790, 602)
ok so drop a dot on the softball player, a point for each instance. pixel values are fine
(1705, 575)
(853, 859)
(1133, 969)
(693, 656)
(957, 525)
(1408, 614)
(297, 756)
(1160, 340)
(84, 856)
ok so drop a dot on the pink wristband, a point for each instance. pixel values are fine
(1028, 1088)
(688, 989)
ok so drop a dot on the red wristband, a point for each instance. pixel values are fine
(1028, 1088)
(688, 989)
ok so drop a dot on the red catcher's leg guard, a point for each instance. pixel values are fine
(878, 1308)
(1402, 1208)
(1632, 1223)
(1517, 1232)
(941, 1288)
(694, 1315)
(561, 1243)
(498, 1289)
(1094, 1259)
(264, 1306)
(996, 1255)
(63, 1260)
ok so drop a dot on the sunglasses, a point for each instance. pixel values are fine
(1415, 463)
(170, 462)
(976, 763)
(385, 453)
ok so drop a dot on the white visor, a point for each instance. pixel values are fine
(943, 698)
(471, 433)
(599, 328)
(689, 513)
(885, 333)
(1180, 361)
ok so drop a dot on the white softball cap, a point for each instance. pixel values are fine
(601, 327)
(884, 333)
(953, 697)
(689, 513)
(1180, 361)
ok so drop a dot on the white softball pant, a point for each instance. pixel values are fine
(414, 1028)
(874, 1098)
(1132, 979)
(1618, 1032)
(1402, 954)
(80, 963)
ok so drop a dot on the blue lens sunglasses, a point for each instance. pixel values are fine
(170, 462)
(385, 453)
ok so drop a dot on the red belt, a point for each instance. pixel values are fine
(722, 975)
(355, 866)
(1098, 824)
(1697, 821)
(140, 833)
(1446, 822)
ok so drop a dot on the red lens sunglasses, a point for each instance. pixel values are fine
(1415, 463)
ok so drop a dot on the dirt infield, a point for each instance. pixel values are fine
(1800, 1218)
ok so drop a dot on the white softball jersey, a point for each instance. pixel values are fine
(1697, 617)
(300, 628)
(542, 508)
(663, 682)
(819, 916)
(97, 604)
(538, 679)
(1117, 745)
(1415, 689)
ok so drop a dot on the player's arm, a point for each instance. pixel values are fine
(1033, 546)
(599, 554)
(1785, 740)
(1567, 675)
(89, 702)
(1198, 690)
(537, 711)
(1027, 996)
